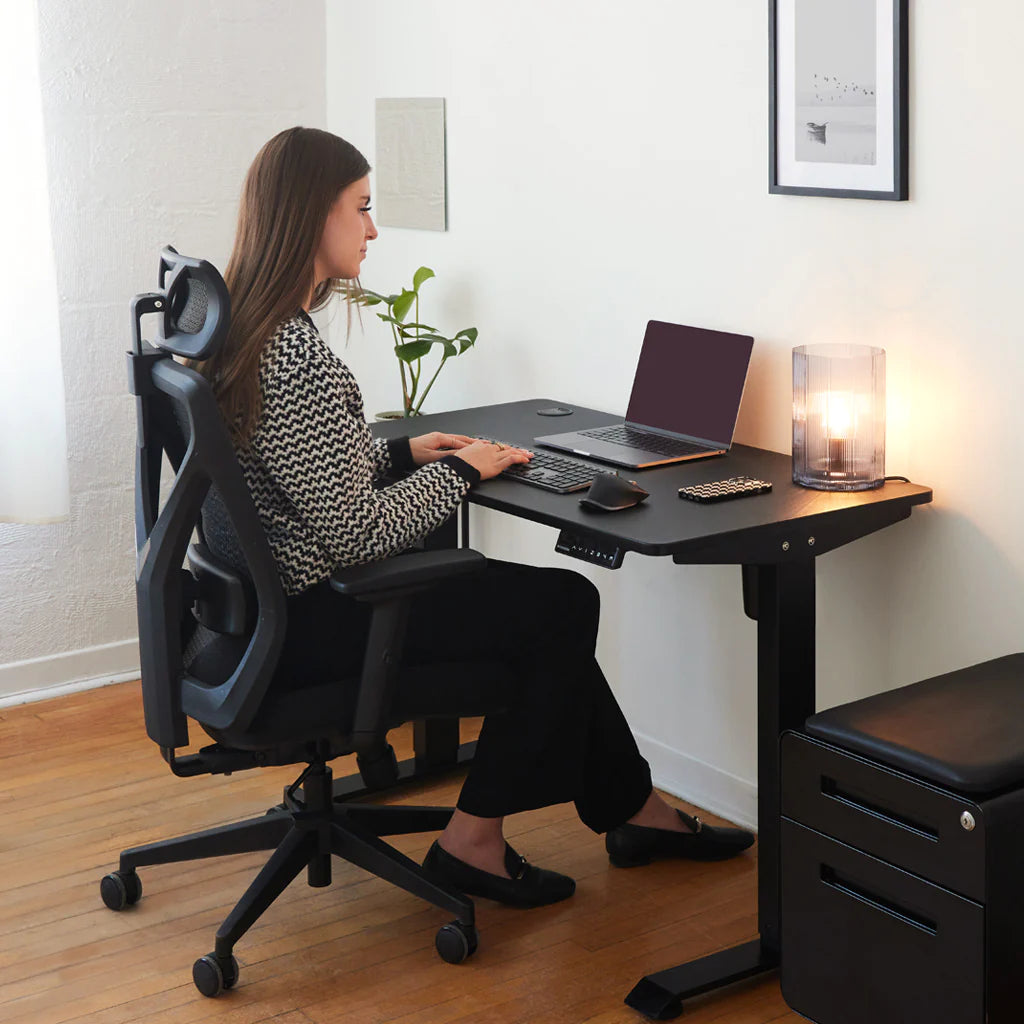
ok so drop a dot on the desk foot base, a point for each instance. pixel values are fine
(413, 770)
(660, 996)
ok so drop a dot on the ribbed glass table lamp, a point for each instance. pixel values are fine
(839, 417)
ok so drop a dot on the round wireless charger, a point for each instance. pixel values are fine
(555, 410)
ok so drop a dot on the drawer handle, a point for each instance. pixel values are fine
(879, 903)
(832, 789)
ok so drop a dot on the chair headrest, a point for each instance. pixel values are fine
(196, 307)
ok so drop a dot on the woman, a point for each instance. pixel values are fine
(298, 424)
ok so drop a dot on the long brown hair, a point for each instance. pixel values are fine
(288, 192)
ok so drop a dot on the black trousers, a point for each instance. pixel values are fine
(564, 738)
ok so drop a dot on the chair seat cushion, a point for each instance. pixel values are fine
(963, 730)
(325, 711)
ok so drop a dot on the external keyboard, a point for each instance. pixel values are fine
(552, 472)
(644, 439)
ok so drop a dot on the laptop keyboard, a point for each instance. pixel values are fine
(633, 438)
(551, 472)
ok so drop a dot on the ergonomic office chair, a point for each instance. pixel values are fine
(210, 635)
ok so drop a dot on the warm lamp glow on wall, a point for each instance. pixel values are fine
(839, 417)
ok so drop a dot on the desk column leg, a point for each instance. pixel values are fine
(785, 698)
(781, 597)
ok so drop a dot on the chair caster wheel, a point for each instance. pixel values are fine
(456, 942)
(212, 975)
(120, 889)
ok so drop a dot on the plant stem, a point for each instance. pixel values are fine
(415, 373)
(401, 370)
(431, 384)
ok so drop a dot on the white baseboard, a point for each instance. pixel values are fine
(700, 783)
(40, 678)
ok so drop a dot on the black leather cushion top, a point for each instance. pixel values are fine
(963, 730)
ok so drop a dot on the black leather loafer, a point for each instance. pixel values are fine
(629, 846)
(529, 886)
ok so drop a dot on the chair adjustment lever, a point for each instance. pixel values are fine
(213, 760)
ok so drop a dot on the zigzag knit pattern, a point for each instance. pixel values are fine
(311, 467)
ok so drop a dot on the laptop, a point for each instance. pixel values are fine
(684, 403)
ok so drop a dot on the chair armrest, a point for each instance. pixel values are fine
(415, 571)
(389, 585)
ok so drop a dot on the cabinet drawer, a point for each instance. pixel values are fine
(864, 941)
(878, 810)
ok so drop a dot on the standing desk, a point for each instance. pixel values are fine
(774, 537)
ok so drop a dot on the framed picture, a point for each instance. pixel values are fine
(838, 98)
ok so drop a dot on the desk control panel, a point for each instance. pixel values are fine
(590, 549)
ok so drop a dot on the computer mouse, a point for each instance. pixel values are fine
(610, 492)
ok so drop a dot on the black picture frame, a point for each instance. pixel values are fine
(851, 170)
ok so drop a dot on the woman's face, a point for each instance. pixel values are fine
(348, 228)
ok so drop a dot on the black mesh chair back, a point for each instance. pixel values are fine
(180, 426)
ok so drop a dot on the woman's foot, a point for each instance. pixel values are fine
(478, 842)
(519, 885)
(472, 856)
(658, 830)
(655, 813)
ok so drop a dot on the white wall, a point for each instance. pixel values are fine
(608, 165)
(153, 112)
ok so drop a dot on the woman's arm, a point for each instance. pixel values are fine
(316, 445)
(391, 454)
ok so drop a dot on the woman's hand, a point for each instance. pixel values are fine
(489, 458)
(431, 447)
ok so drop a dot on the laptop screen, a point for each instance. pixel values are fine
(690, 381)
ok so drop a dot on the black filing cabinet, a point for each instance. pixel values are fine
(901, 899)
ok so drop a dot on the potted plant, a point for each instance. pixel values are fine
(414, 339)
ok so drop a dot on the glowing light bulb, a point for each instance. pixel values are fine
(838, 421)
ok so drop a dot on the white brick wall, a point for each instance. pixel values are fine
(153, 112)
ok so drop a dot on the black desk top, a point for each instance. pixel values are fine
(790, 522)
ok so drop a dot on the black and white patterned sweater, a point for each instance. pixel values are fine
(312, 466)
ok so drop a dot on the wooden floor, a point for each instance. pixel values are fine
(81, 781)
